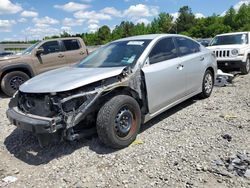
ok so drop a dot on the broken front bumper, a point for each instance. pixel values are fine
(32, 123)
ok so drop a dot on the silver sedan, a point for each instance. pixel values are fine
(115, 89)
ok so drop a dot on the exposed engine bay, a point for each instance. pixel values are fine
(74, 112)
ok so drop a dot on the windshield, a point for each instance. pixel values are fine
(29, 49)
(230, 39)
(116, 54)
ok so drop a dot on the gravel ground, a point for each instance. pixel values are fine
(187, 146)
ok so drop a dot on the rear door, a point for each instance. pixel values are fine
(74, 51)
(193, 61)
(165, 76)
(51, 58)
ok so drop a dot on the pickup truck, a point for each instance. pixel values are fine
(38, 58)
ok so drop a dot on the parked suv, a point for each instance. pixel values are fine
(114, 89)
(40, 57)
(232, 51)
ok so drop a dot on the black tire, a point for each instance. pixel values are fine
(246, 68)
(11, 82)
(114, 119)
(207, 84)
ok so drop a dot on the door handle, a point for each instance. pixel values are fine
(180, 66)
(202, 58)
(60, 55)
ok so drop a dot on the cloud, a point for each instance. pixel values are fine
(175, 15)
(29, 14)
(45, 21)
(92, 15)
(72, 7)
(111, 11)
(93, 18)
(140, 10)
(237, 6)
(6, 25)
(38, 32)
(66, 29)
(93, 28)
(70, 22)
(93, 21)
(22, 20)
(6, 7)
(199, 15)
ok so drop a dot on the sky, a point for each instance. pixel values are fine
(34, 19)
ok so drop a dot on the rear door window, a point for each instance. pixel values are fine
(187, 46)
(72, 44)
(164, 50)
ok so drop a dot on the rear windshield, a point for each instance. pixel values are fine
(116, 54)
(230, 39)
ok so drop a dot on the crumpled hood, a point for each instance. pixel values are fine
(6, 58)
(67, 78)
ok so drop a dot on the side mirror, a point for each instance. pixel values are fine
(39, 51)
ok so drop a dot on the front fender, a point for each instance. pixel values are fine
(17, 66)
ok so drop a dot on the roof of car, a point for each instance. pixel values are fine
(63, 38)
(148, 37)
(234, 33)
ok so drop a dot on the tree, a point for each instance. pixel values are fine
(185, 24)
(162, 24)
(65, 34)
(243, 17)
(103, 34)
(185, 20)
(229, 18)
(125, 29)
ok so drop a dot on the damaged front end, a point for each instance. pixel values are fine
(67, 115)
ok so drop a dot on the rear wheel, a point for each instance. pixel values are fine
(11, 82)
(118, 121)
(246, 68)
(207, 84)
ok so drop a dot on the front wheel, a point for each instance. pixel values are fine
(11, 82)
(246, 68)
(207, 84)
(118, 121)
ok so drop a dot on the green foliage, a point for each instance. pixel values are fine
(185, 24)
(186, 19)
(103, 35)
(162, 24)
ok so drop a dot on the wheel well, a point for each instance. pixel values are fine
(122, 91)
(26, 71)
(212, 70)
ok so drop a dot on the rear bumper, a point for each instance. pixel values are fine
(31, 123)
(230, 65)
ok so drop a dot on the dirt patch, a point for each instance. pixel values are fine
(183, 147)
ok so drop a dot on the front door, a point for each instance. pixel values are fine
(165, 76)
(51, 58)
